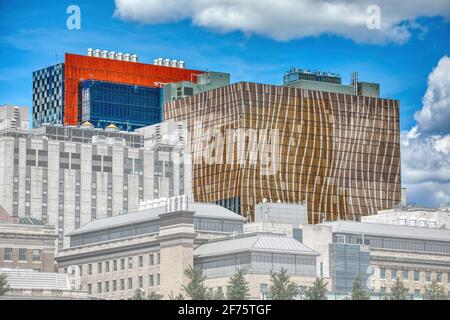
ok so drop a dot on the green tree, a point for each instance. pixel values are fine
(139, 294)
(434, 291)
(398, 291)
(238, 287)
(318, 291)
(4, 287)
(358, 291)
(219, 295)
(154, 296)
(195, 289)
(177, 297)
(282, 288)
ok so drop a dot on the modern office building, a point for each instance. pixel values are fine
(380, 253)
(69, 176)
(339, 152)
(57, 89)
(27, 284)
(14, 117)
(414, 216)
(26, 243)
(128, 107)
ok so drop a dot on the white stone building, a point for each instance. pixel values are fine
(69, 176)
(14, 117)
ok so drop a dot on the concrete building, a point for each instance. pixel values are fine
(69, 176)
(26, 243)
(414, 216)
(339, 152)
(151, 248)
(26, 284)
(414, 254)
(14, 117)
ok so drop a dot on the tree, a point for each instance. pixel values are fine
(282, 288)
(358, 292)
(139, 294)
(219, 295)
(154, 296)
(318, 291)
(398, 291)
(238, 287)
(177, 297)
(434, 291)
(195, 289)
(4, 287)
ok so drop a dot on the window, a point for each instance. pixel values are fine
(106, 266)
(89, 287)
(394, 274)
(114, 265)
(122, 284)
(151, 282)
(141, 281)
(158, 279)
(122, 264)
(130, 262)
(130, 283)
(141, 261)
(439, 276)
(36, 255)
(7, 254)
(80, 267)
(416, 275)
(159, 258)
(99, 287)
(99, 267)
(383, 289)
(416, 291)
(22, 254)
(152, 259)
(106, 286)
(114, 285)
(382, 273)
(405, 275)
(90, 269)
(428, 276)
(263, 289)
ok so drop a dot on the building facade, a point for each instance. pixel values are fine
(128, 107)
(338, 152)
(14, 117)
(69, 176)
(56, 89)
(26, 243)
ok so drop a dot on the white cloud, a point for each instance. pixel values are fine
(434, 117)
(426, 147)
(290, 19)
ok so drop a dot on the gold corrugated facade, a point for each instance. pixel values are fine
(339, 153)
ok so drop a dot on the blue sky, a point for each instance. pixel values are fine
(258, 40)
(34, 35)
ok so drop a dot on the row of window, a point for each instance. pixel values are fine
(119, 285)
(23, 254)
(404, 275)
(114, 265)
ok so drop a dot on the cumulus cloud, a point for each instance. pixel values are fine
(426, 147)
(286, 19)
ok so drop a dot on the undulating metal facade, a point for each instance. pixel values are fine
(340, 153)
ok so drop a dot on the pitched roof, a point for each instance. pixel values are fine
(390, 230)
(29, 279)
(202, 210)
(260, 242)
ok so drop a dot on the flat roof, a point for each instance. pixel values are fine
(201, 210)
(260, 242)
(390, 230)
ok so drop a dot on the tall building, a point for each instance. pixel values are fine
(14, 117)
(338, 152)
(69, 176)
(126, 89)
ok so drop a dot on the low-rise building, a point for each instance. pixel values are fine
(26, 243)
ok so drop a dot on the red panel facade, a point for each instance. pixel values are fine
(78, 68)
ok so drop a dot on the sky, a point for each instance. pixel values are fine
(258, 40)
